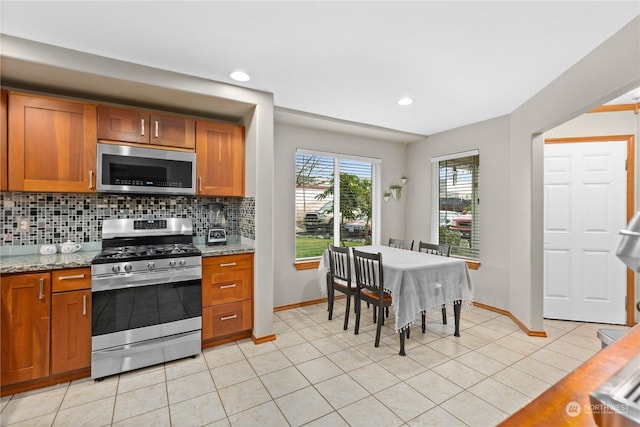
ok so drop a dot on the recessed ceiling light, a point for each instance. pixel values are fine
(405, 101)
(240, 76)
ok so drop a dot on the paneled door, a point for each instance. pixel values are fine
(585, 205)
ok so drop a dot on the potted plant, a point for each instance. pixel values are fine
(396, 191)
(386, 196)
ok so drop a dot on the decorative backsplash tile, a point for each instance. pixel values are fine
(58, 217)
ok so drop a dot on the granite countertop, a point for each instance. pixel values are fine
(26, 263)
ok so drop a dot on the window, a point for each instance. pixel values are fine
(326, 213)
(457, 203)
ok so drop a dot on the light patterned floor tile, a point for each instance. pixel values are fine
(283, 382)
(223, 355)
(303, 406)
(404, 401)
(402, 367)
(319, 369)
(369, 412)
(374, 377)
(87, 390)
(499, 395)
(330, 420)
(33, 404)
(473, 411)
(240, 397)
(341, 391)
(198, 411)
(459, 374)
(94, 413)
(521, 381)
(190, 386)
(157, 418)
(269, 362)
(139, 401)
(481, 363)
(183, 367)
(435, 387)
(232, 373)
(301, 353)
(141, 378)
(543, 371)
(288, 339)
(266, 415)
(436, 417)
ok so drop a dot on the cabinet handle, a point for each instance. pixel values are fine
(141, 127)
(157, 130)
(41, 296)
(90, 180)
(229, 264)
(77, 276)
(84, 305)
(199, 184)
(233, 285)
(233, 316)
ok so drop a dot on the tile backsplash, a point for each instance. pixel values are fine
(58, 217)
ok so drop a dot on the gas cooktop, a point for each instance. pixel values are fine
(143, 252)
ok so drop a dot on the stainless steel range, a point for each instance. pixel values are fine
(146, 288)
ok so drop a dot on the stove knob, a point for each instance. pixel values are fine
(128, 268)
(172, 263)
(115, 269)
(151, 265)
(183, 262)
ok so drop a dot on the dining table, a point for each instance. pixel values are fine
(418, 282)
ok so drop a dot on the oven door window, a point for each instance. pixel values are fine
(129, 308)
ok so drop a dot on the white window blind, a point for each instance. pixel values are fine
(334, 202)
(457, 187)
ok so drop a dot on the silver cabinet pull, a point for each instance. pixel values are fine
(84, 304)
(157, 135)
(41, 295)
(141, 127)
(233, 285)
(233, 316)
(76, 276)
(229, 264)
(90, 180)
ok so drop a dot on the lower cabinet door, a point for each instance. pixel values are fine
(70, 331)
(225, 319)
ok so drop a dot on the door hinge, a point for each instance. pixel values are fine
(626, 164)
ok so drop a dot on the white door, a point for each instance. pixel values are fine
(584, 208)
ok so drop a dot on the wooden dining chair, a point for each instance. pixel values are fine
(401, 244)
(435, 249)
(340, 280)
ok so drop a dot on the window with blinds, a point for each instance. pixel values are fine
(333, 202)
(458, 203)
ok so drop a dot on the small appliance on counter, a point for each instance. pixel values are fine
(217, 220)
(619, 397)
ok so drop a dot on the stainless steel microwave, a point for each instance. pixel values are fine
(128, 169)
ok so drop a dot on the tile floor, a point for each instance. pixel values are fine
(316, 374)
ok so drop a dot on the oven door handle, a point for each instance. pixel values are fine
(109, 282)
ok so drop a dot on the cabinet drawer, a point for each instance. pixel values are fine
(226, 287)
(225, 263)
(71, 279)
(225, 319)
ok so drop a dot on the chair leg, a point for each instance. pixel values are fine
(375, 311)
(330, 301)
(346, 313)
(387, 310)
(358, 308)
(444, 314)
(409, 332)
(379, 328)
(402, 353)
(424, 322)
(457, 305)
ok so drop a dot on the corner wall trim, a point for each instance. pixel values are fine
(541, 334)
(264, 339)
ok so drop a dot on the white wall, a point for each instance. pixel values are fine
(292, 286)
(491, 139)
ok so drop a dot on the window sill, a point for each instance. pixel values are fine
(473, 265)
(306, 265)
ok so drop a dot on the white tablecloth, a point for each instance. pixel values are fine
(417, 281)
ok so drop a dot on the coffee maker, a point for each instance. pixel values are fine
(217, 219)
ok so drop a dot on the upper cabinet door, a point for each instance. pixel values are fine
(52, 144)
(173, 131)
(121, 124)
(219, 159)
(142, 127)
(4, 176)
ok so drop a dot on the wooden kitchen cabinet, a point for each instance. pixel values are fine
(227, 297)
(4, 176)
(220, 153)
(25, 327)
(70, 320)
(51, 144)
(143, 127)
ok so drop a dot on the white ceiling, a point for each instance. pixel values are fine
(462, 62)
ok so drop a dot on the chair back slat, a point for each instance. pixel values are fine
(340, 263)
(432, 248)
(369, 272)
(401, 244)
